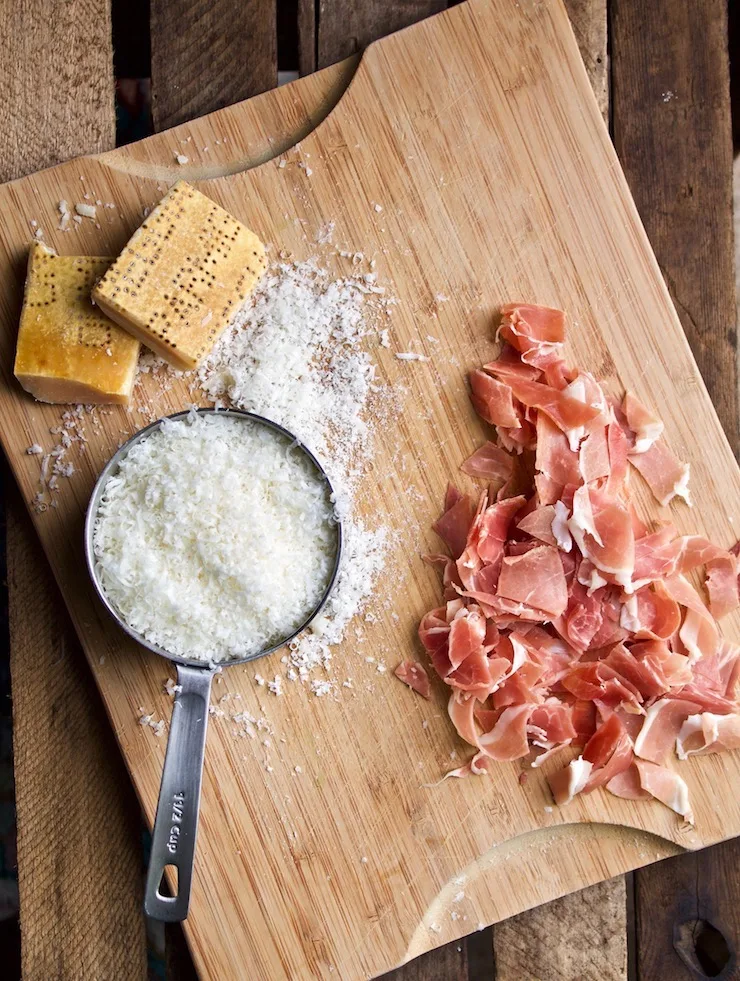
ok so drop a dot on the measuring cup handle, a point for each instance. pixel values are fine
(176, 823)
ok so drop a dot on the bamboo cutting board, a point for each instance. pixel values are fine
(478, 134)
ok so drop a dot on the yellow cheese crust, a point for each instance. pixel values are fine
(67, 350)
(182, 276)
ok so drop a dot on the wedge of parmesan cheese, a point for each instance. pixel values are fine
(182, 276)
(67, 350)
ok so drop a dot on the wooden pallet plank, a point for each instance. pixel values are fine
(347, 26)
(671, 112)
(671, 117)
(581, 936)
(56, 77)
(199, 64)
(343, 29)
(73, 856)
(688, 916)
(207, 54)
(79, 854)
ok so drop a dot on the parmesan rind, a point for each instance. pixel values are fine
(67, 350)
(182, 276)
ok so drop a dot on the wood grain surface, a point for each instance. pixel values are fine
(209, 54)
(581, 936)
(688, 916)
(74, 800)
(345, 27)
(583, 283)
(56, 80)
(671, 115)
(58, 102)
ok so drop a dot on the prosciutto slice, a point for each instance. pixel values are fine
(664, 473)
(414, 675)
(568, 620)
(491, 463)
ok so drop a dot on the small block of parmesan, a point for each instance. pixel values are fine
(178, 299)
(63, 341)
(86, 210)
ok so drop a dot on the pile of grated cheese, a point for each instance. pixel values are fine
(216, 537)
(296, 354)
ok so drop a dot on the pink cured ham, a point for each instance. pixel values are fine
(609, 751)
(627, 785)
(666, 786)
(536, 332)
(645, 426)
(454, 525)
(604, 532)
(535, 577)
(538, 524)
(556, 463)
(708, 733)
(568, 620)
(415, 676)
(699, 633)
(664, 473)
(491, 463)
(593, 459)
(566, 412)
(660, 729)
(493, 400)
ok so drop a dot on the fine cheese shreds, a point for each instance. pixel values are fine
(292, 355)
(216, 537)
(295, 354)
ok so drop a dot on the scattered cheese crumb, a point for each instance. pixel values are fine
(276, 685)
(171, 688)
(34, 449)
(181, 159)
(321, 688)
(411, 356)
(364, 859)
(378, 207)
(86, 210)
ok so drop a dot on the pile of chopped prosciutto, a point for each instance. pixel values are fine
(567, 622)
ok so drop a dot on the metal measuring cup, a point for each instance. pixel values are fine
(176, 821)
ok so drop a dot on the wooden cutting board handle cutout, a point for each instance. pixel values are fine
(320, 94)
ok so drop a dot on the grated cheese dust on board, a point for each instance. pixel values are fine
(215, 538)
(294, 354)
